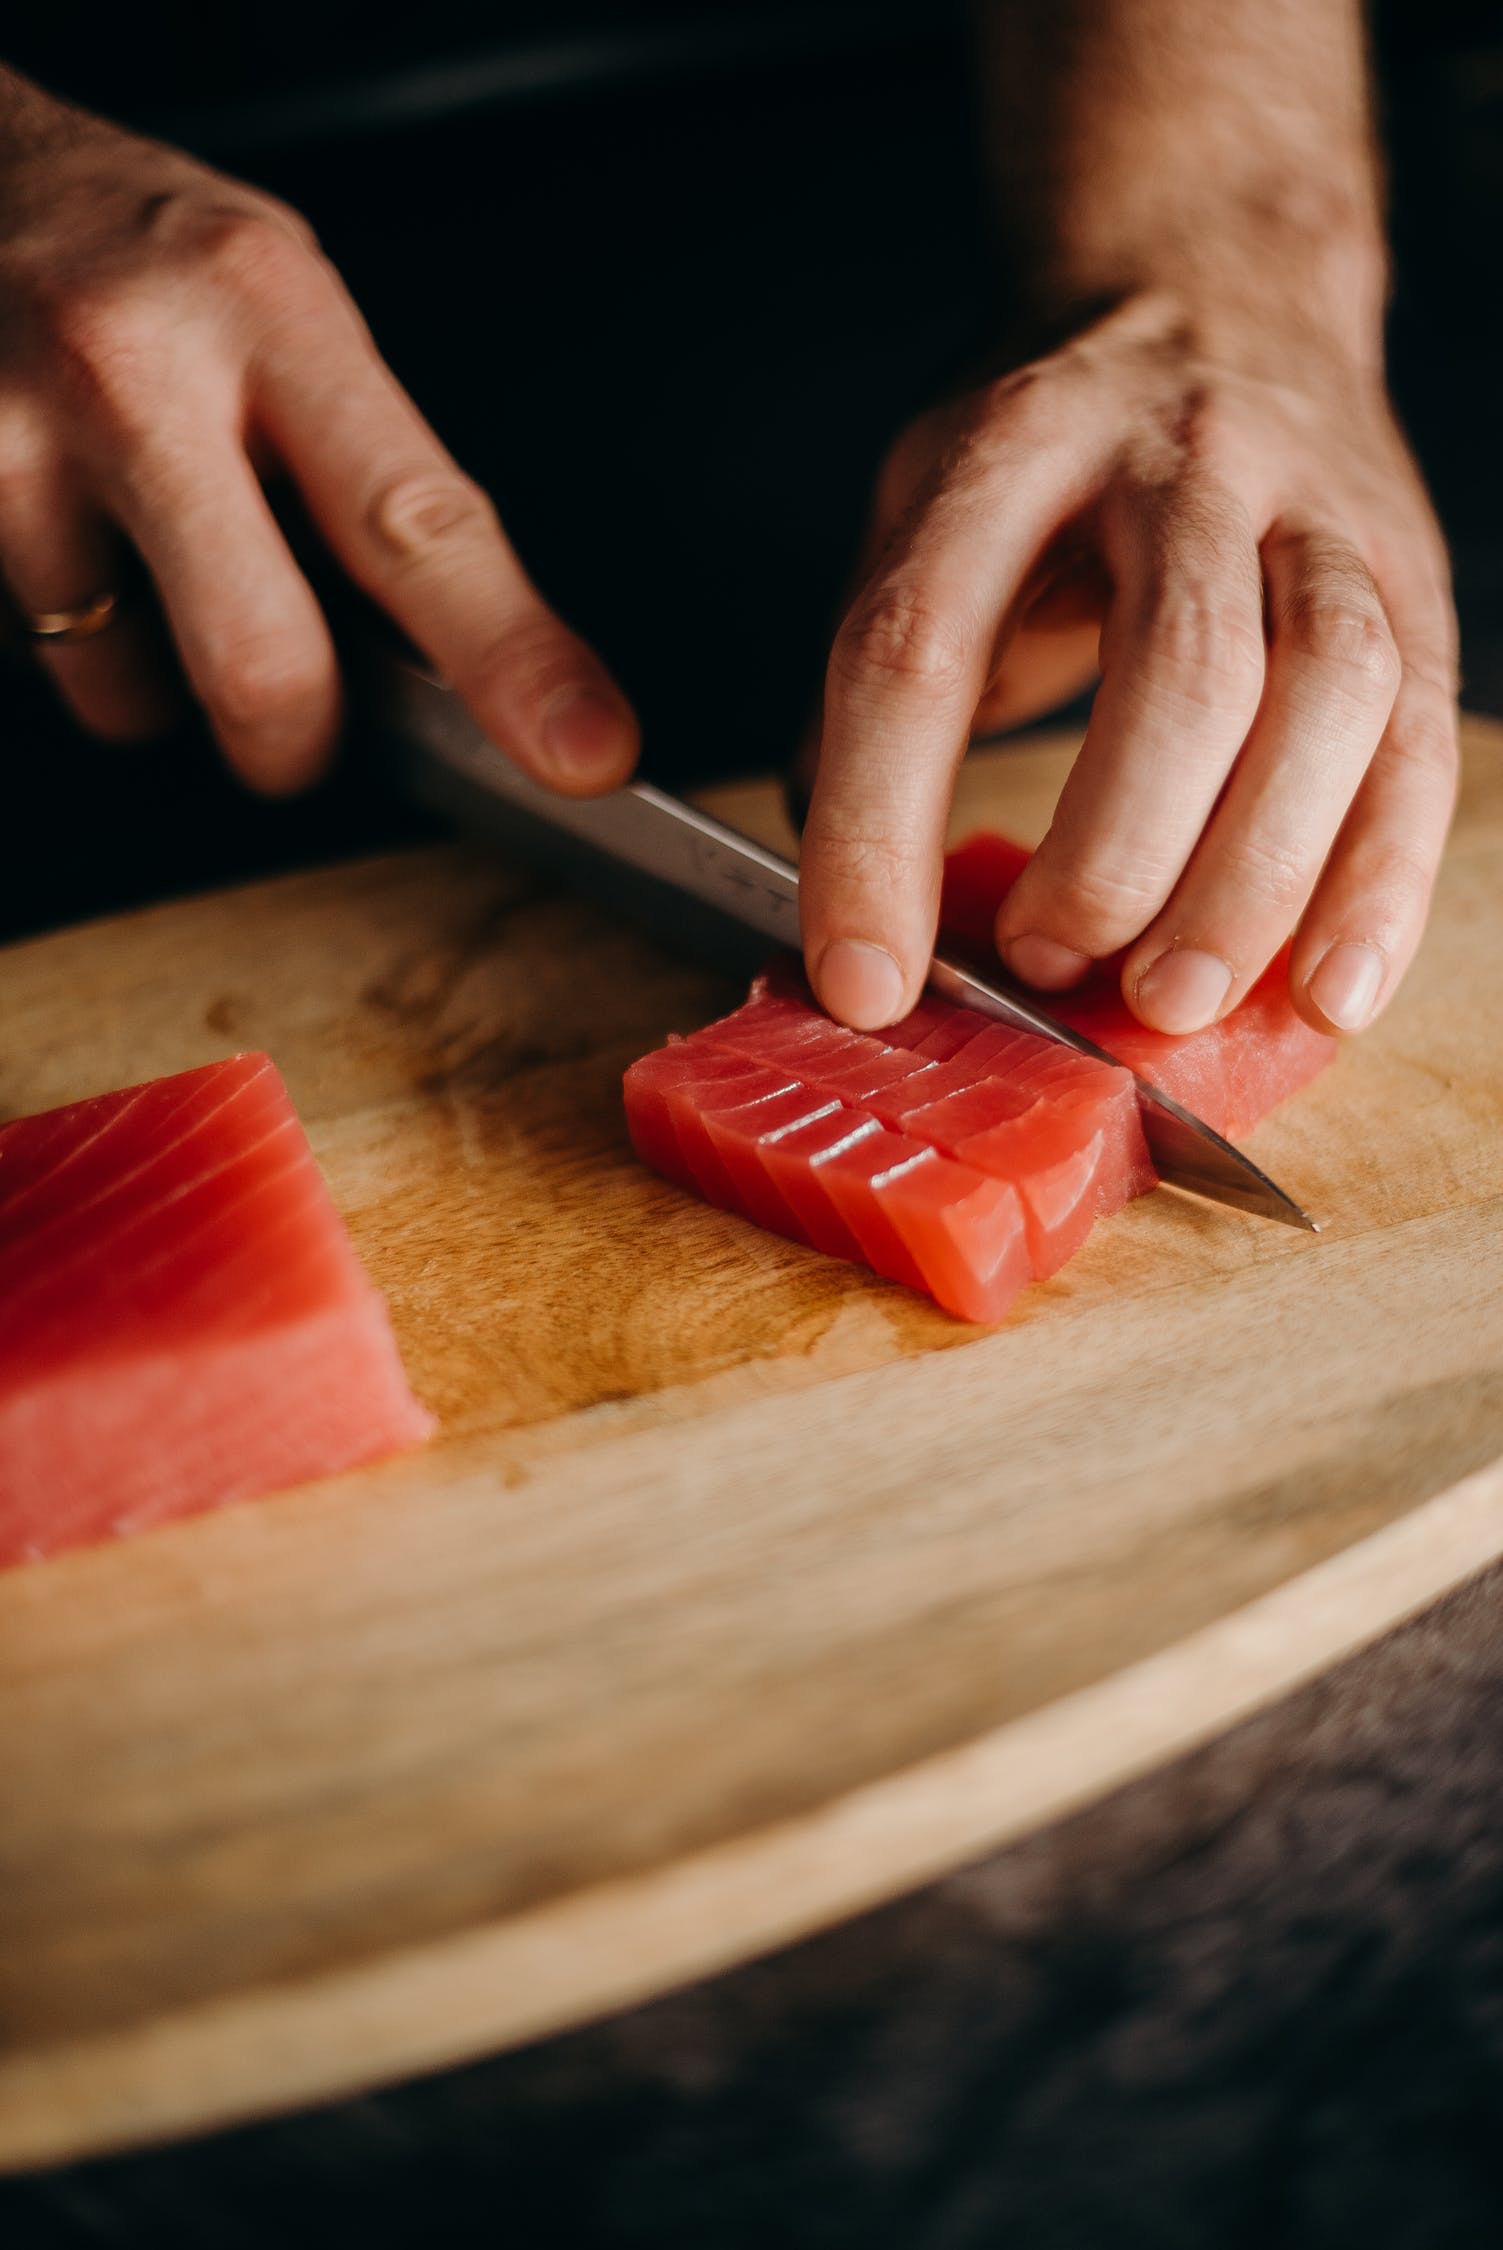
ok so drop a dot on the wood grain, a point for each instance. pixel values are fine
(741, 1589)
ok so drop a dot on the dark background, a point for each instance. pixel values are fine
(667, 296)
(667, 303)
(668, 291)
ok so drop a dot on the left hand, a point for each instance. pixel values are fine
(1231, 513)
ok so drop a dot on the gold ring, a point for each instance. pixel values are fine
(64, 626)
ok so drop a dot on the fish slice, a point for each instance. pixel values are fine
(700, 883)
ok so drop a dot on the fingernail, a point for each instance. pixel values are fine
(860, 983)
(582, 732)
(1345, 984)
(1039, 961)
(1183, 989)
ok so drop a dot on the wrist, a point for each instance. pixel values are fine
(1259, 295)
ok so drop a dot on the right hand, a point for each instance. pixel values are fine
(168, 335)
(1215, 495)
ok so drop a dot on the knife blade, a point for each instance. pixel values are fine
(696, 880)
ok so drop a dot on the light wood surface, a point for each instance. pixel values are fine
(741, 1590)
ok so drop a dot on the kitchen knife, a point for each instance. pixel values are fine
(696, 881)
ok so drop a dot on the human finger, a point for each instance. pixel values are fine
(906, 672)
(1053, 652)
(1361, 928)
(1333, 672)
(1182, 672)
(249, 631)
(424, 542)
(59, 555)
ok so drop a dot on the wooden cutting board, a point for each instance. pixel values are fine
(741, 1589)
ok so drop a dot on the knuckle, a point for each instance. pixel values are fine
(530, 662)
(72, 316)
(86, 322)
(1424, 739)
(419, 513)
(1018, 410)
(1393, 872)
(1204, 648)
(104, 346)
(28, 449)
(1265, 872)
(1435, 668)
(1347, 637)
(266, 685)
(901, 638)
(251, 252)
(1204, 430)
(288, 218)
(1095, 908)
(1010, 393)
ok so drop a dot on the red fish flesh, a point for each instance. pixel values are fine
(1061, 1130)
(1231, 1074)
(755, 1138)
(948, 1152)
(183, 1320)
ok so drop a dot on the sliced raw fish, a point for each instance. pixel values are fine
(950, 1151)
(183, 1321)
(828, 1173)
(1230, 1074)
(1062, 1130)
(1270, 1052)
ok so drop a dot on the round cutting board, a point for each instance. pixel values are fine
(740, 1589)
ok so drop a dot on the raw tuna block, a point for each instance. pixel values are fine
(746, 1136)
(1062, 1130)
(666, 1130)
(1270, 1052)
(965, 1231)
(182, 1319)
(979, 873)
(1192, 1067)
(949, 1151)
(1231, 1074)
